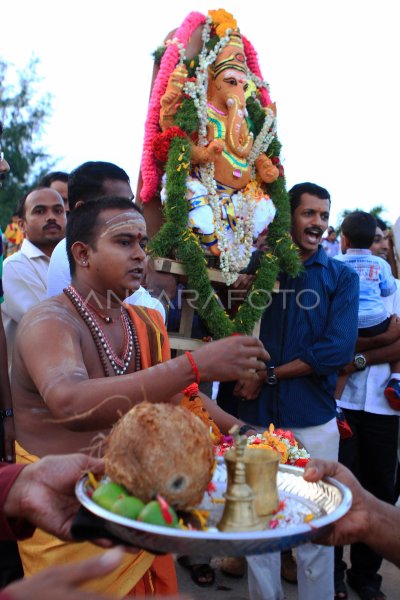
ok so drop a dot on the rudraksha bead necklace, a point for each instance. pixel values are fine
(106, 353)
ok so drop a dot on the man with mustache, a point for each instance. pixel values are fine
(42, 220)
(310, 330)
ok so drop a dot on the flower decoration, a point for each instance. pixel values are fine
(162, 142)
(222, 21)
(279, 440)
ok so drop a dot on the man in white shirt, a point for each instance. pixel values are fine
(88, 182)
(371, 453)
(43, 221)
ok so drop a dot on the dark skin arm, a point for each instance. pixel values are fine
(378, 356)
(369, 520)
(7, 452)
(383, 339)
(84, 404)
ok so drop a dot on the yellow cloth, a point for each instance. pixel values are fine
(43, 550)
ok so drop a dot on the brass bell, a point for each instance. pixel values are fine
(239, 511)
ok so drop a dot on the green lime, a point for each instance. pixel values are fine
(128, 506)
(153, 514)
(108, 493)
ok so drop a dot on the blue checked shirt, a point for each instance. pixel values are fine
(313, 318)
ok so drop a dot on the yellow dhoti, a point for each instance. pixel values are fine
(138, 574)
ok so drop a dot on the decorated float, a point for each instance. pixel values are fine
(211, 159)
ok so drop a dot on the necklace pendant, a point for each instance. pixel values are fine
(108, 319)
(237, 173)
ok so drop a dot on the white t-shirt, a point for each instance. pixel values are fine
(24, 283)
(364, 389)
(59, 277)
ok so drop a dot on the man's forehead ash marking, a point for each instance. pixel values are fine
(138, 225)
(133, 215)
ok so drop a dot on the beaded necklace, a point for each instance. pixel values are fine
(106, 353)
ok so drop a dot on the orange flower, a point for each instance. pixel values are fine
(222, 21)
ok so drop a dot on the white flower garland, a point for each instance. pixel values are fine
(265, 137)
(235, 254)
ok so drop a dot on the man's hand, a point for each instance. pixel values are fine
(44, 492)
(249, 389)
(348, 369)
(64, 582)
(354, 525)
(235, 357)
(8, 450)
(392, 334)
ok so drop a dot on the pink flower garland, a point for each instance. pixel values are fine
(169, 61)
(252, 63)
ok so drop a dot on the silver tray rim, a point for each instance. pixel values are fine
(245, 536)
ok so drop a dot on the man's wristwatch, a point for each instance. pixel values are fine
(6, 412)
(245, 428)
(271, 376)
(360, 362)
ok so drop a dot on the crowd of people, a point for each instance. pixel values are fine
(84, 342)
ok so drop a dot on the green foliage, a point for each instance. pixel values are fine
(186, 116)
(376, 211)
(23, 113)
(158, 54)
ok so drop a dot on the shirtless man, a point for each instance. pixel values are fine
(62, 397)
(66, 377)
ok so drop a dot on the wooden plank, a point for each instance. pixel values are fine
(166, 265)
(178, 342)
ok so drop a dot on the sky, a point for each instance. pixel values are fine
(332, 67)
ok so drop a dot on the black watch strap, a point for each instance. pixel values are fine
(245, 428)
(271, 376)
(6, 412)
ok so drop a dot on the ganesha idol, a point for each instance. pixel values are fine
(228, 206)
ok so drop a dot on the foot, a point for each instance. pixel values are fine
(233, 566)
(203, 575)
(340, 590)
(392, 393)
(368, 592)
(288, 567)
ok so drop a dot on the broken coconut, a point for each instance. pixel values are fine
(161, 449)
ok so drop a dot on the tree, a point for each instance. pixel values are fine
(23, 112)
(376, 211)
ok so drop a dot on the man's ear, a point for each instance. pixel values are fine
(21, 224)
(344, 243)
(80, 252)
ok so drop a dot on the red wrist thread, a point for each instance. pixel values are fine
(191, 390)
(195, 369)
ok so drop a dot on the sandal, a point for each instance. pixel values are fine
(340, 590)
(203, 575)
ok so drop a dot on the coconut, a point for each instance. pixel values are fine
(161, 449)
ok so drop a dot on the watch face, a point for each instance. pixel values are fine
(360, 361)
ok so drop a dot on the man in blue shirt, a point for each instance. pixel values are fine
(310, 330)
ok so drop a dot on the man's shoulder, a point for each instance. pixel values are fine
(15, 258)
(47, 313)
(60, 252)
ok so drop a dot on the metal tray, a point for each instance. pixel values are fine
(327, 501)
